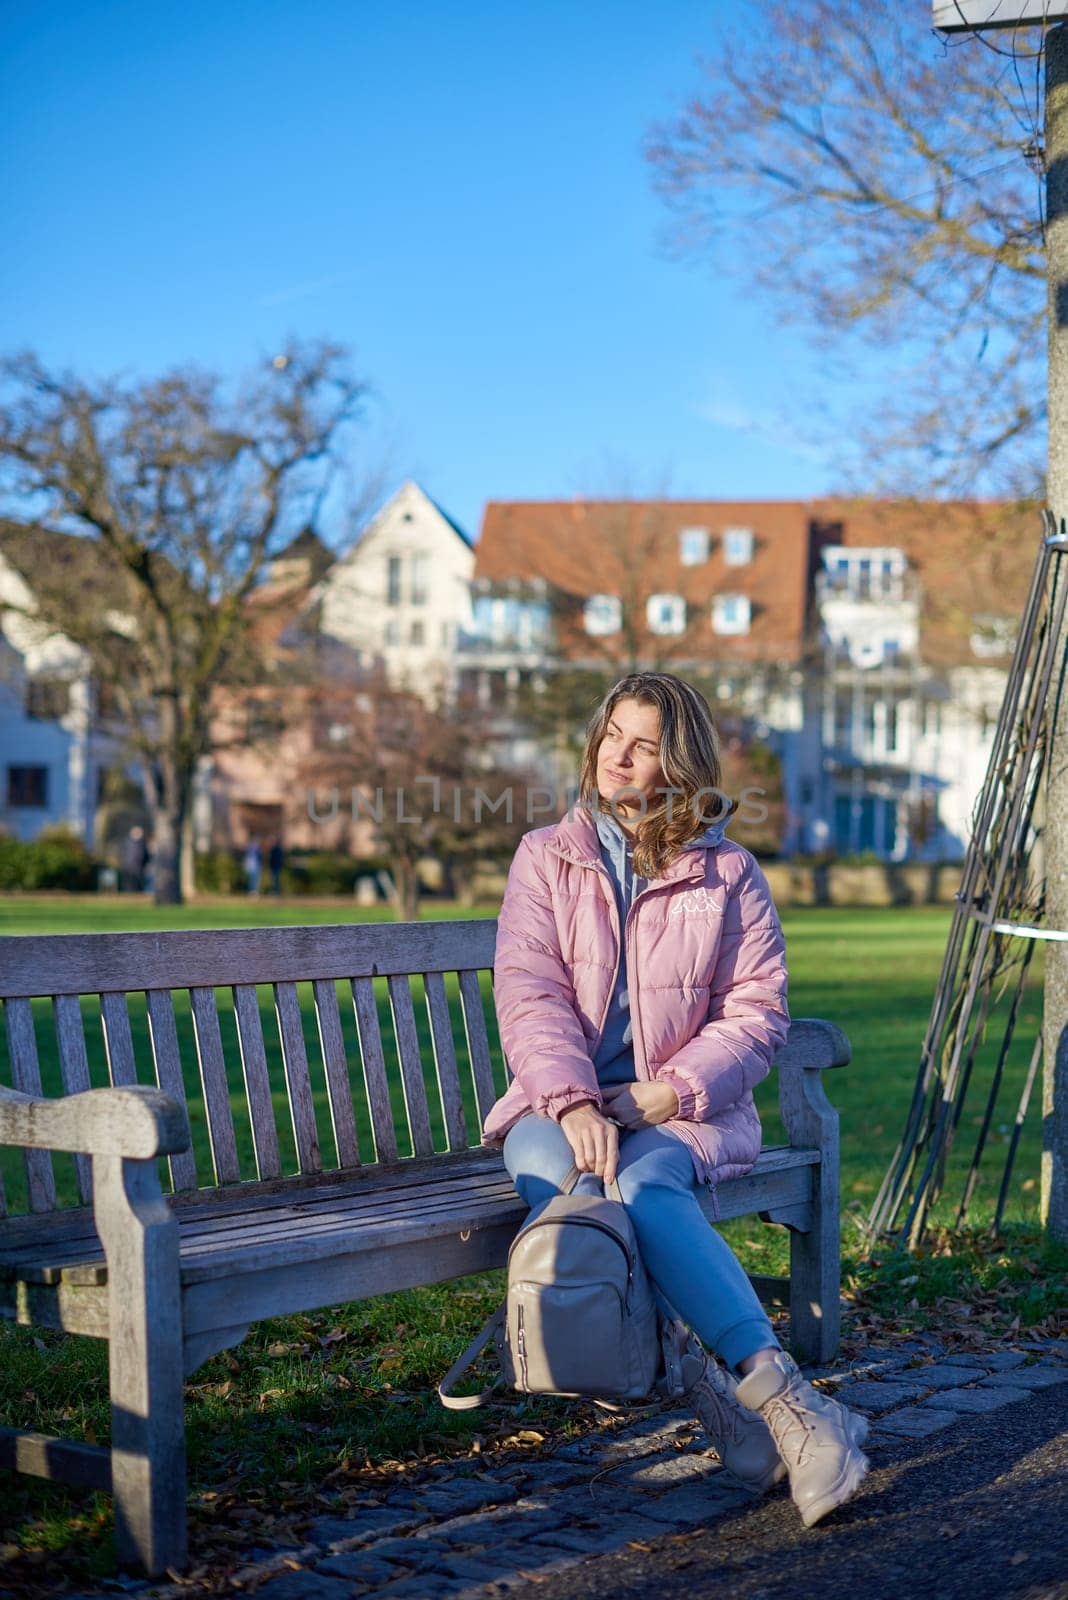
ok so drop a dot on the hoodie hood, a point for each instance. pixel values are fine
(618, 845)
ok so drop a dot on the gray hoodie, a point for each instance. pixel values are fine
(614, 1058)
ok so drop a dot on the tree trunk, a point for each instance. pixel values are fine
(1053, 1201)
(187, 871)
(166, 852)
(405, 888)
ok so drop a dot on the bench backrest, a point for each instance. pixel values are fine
(382, 1041)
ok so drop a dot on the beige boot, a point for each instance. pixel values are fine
(818, 1438)
(741, 1437)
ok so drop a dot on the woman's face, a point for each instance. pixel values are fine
(629, 757)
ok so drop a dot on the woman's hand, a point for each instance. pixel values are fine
(642, 1105)
(594, 1141)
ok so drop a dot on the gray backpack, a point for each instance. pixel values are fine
(580, 1318)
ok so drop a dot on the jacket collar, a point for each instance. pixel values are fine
(575, 838)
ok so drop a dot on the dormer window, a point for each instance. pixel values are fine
(731, 613)
(737, 546)
(693, 546)
(602, 614)
(666, 613)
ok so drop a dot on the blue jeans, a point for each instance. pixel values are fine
(694, 1270)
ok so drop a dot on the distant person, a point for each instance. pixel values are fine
(253, 866)
(275, 860)
(133, 859)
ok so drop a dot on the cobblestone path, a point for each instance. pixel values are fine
(465, 1531)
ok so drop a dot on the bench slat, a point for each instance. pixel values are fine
(411, 1065)
(374, 1069)
(74, 1067)
(335, 1063)
(257, 1081)
(118, 1041)
(477, 1042)
(168, 1063)
(295, 1057)
(216, 1090)
(26, 1076)
(452, 1105)
(89, 963)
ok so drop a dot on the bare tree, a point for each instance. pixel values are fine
(414, 765)
(875, 183)
(147, 513)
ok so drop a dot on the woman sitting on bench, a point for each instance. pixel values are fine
(640, 984)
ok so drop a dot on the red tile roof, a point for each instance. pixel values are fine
(971, 557)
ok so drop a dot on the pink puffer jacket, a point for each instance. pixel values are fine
(706, 966)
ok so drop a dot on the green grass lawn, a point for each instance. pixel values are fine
(352, 1389)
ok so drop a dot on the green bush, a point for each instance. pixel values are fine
(219, 872)
(324, 872)
(56, 859)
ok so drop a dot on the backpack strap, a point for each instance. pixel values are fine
(470, 1402)
(572, 1177)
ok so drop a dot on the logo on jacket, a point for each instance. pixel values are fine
(696, 903)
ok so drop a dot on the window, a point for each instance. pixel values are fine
(420, 580)
(731, 613)
(264, 719)
(47, 699)
(666, 613)
(932, 719)
(693, 546)
(416, 633)
(890, 726)
(393, 581)
(446, 635)
(27, 787)
(993, 636)
(737, 546)
(602, 614)
(392, 633)
(891, 650)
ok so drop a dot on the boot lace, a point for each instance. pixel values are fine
(785, 1415)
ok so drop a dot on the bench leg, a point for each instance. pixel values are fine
(140, 1238)
(815, 1278)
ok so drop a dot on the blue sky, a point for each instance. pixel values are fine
(456, 192)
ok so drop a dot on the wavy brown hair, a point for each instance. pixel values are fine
(689, 759)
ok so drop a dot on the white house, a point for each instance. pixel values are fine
(402, 594)
(48, 764)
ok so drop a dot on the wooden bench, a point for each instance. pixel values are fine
(330, 1159)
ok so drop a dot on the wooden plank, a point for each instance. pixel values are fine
(452, 1105)
(335, 1063)
(477, 1042)
(375, 1242)
(257, 1081)
(89, 963)
(213, 1081)
(88, 1466)
(304, 1286)
(74, 1068)
(168, 1064)
(411, 1065)
(118, 1041)
(26, 1077)
(374, 1069)
(298, 1084)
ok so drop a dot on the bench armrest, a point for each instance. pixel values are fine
(137, 1123)
(814, 1044)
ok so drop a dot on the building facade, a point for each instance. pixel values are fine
(865, 643)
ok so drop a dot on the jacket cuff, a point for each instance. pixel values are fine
(687, 1098)
(554, 1105)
